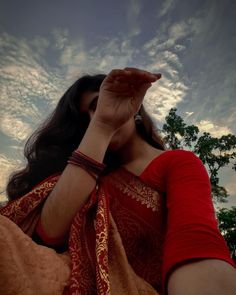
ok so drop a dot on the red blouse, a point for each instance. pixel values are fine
(192, 227)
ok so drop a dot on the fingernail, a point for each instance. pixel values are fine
(158, 76)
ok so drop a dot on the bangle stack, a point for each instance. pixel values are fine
(92, 167)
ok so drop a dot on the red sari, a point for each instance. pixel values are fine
(135, 230)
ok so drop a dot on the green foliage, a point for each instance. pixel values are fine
(215, 153)
(175, 126)
(227, 226)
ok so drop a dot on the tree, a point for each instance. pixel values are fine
(227, 226)
(214, 152)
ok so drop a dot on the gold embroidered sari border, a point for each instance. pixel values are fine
(133, 187)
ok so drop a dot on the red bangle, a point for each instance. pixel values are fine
(84, 168)
(90, 165)
(77, 152)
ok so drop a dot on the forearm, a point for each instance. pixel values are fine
(75, 185)
(206, 277)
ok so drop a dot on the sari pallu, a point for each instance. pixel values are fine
(115, 242)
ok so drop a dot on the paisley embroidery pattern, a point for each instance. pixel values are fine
(101, 227)
(81, 280)
(17, 210)
(140, 222)
(137, 190)
(143, 244)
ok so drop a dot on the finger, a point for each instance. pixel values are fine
(143, 89)
(115, 73)
(141, 93)
(119, 87)
(136, 70)
(158, 75)
(142, 75)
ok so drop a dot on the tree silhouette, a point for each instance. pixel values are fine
(227, 226)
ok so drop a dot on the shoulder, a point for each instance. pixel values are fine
(179, 153)
(171, 158)
(174, 163)
(182, 161)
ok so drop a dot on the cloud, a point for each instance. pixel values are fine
(132, 16)
(189, 113)
(28, 87)
(231, 188)
(227, 177)
(213, 129)
(108, 54)
(14, 127)
(7, 167)
(163, 96)
(179, 30)
(211, 65)
(60, 37)
(166, 7)
(163, 51)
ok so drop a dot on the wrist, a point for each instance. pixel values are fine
(101, 128)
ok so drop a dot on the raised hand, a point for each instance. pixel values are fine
(121, 95)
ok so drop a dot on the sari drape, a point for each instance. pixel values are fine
(115, 242)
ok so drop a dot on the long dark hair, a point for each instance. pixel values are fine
(49, 147)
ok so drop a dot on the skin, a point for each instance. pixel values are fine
(112, 126)
(130, 147)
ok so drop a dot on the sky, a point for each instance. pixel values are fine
(46, 45)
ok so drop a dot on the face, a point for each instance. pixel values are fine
(122, 135)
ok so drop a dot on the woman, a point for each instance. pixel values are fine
(142, 224)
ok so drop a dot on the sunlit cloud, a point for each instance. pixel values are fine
(214, 130)
(28, 88)
(7, 167)
(163, 52)
(231, 188)
(189, 113)
(14, 127)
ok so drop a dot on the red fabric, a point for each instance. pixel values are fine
(192, 228)
(82, 279)
(139, 213)
(175, 207)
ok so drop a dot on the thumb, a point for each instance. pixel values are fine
(140, 93)
(143, 89)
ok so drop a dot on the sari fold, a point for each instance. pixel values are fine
(115, 242)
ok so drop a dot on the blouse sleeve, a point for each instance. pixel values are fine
(192, 228)
(40, 237)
